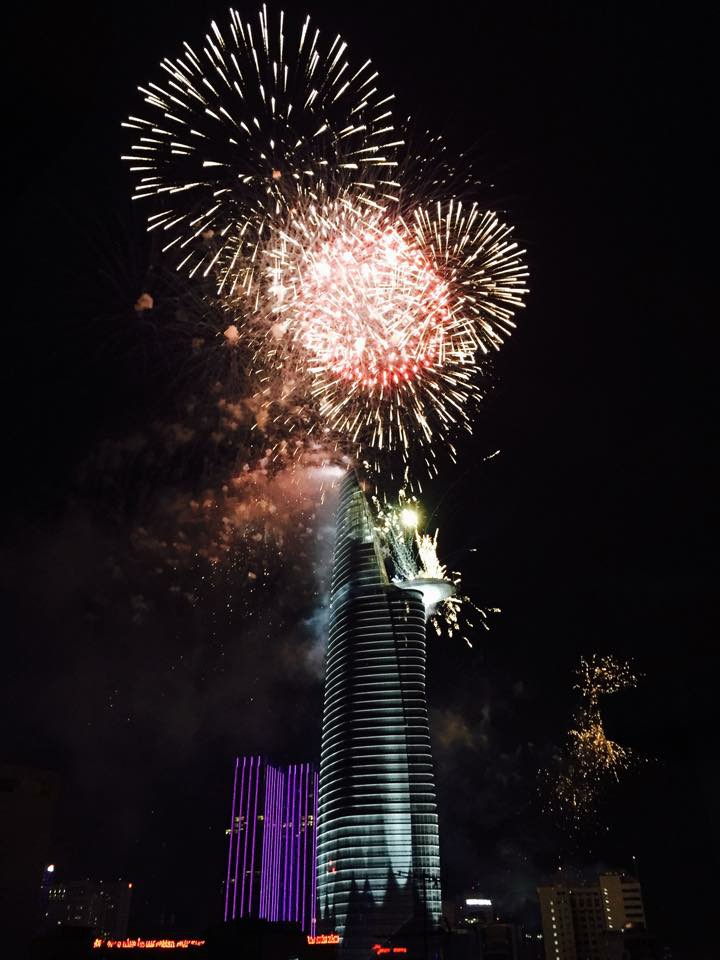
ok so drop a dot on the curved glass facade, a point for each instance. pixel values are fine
(378, 861)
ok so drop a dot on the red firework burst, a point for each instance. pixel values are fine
(369, 308)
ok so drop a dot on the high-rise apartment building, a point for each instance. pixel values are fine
(622, 901)
(272, 843)
(576, 917)
(378, 858)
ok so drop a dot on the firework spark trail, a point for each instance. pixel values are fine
(476, 254)
(261, 114)
(590, 757)
(396, 525)
(430, 565)
(602, 676)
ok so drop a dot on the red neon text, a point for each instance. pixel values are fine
(378, 950)
(323, 938)
(140, 944)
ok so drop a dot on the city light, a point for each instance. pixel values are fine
(140, 944)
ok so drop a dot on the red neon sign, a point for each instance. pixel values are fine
(140, 944)
(322, 939)
(378, 950)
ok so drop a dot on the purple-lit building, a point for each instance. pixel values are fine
(272, 851)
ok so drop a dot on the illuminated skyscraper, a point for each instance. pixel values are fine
(272, 847)
(378, 860)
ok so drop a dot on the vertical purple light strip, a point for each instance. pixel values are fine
(269, 827)
(247, 833)
(291, 847)
(313, 916)
(262, 911)
(295, 834)
(277, 838)
(273, 850)
(281, 845)
(291, 838)
(302, 841)
(272, 870)
(266, 773)
(289, 841)
(297, 827)
(263, 807)
(285, 846)
(252, 857)
(230, 844)
(270, 831)
(306, 827)
(302, 866)
(237, 845)
(298, 830)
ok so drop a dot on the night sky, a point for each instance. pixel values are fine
(590, 529)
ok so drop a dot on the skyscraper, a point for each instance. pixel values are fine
(378, 859)
(272, 845)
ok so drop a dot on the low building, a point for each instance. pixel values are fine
(473, 909)
(500, 941)
(27, 803)
(631, 943)
(102, 906)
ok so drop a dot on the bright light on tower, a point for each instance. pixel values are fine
(409, 517)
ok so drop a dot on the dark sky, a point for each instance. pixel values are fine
(590, 530)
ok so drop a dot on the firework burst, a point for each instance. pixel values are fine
(480, 261)
(384, 320)
(239, 128)
(367, 316)
(590, 758)
(351, 305)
